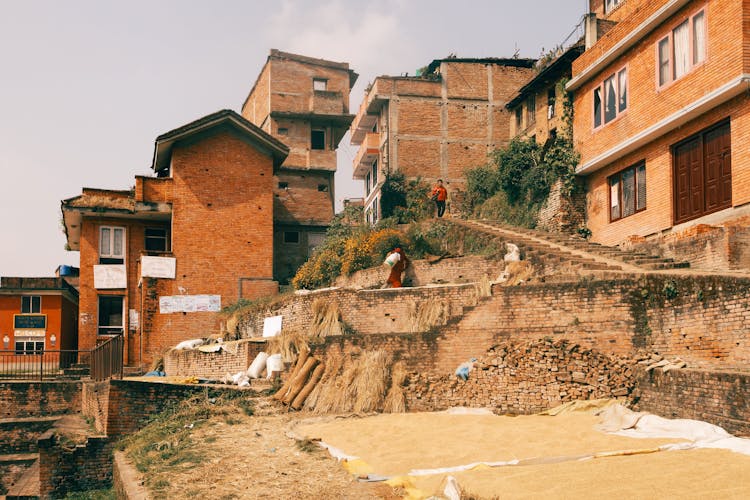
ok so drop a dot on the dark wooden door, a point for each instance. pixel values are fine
(702, 174)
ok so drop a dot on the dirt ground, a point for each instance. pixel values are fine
(273, 454)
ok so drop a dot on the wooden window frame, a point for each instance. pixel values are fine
(635, 168)
(112, 256)
(669, 38)
(31, 304)
(615, 76)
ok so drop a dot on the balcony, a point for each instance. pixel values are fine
(368, 152)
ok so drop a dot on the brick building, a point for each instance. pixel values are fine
(435, 125)
(662, 116)
(37, 315)
(537, 110)
(303, 102)
(159, 260)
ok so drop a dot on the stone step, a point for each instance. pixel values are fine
(27, 486)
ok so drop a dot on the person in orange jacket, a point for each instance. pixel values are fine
(439, 195)
(394, 278)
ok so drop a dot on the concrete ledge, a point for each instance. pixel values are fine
(127, 482)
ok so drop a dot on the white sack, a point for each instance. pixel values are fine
(258, 365)
(189, 344)
(274, 364)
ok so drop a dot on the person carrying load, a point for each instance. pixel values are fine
(398, 262)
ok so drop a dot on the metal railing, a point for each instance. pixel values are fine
(106, 358)
(36, 365)
(106, 361)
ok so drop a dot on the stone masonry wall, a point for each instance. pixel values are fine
(65, 468)
(35, 399)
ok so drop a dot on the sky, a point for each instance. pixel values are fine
(86, 86)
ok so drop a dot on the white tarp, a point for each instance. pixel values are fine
(189, 303)
(158, 267)
(110, 276)
(272, 326)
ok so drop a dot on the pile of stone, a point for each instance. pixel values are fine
(655, 361)
(525, 377)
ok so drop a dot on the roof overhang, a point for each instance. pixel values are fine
(711, 100)
(262, 140)
(628, 41)
(73, 217)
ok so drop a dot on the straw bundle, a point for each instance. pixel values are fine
(483, 286)
(333, 365)
(395, 400)
(282, 393)
(370, 384)
(426, 315)
(518, 272)
(288, 343)
(333, 395)
(326, 319)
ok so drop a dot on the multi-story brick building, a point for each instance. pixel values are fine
(538, 108)
(662, 116)
(303, 102)
(435, 125)
(37, 315)
(158, 261)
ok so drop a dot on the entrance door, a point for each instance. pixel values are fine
(702, 174)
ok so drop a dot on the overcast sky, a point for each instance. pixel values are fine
(86, 86)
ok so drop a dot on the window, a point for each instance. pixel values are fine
(31, 304)
(27, 346)
(367, 183)
(551, 103)
(111, 245)
(283, 131)
(323, 188)
(375, 210)
(320, 84)
(317, 139)
(110, 315)
(530, 110)
(611, 97)
(375, 173)
(519, 119)
(291, 237)
(627, 192)
(156, 239)
(609, 5)
(682, 49)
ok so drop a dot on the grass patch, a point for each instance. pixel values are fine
(92, 495)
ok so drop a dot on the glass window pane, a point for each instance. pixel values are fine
(663, 61)
(610, 99)
(25, 305)
(641, 181)
(104, 240)
(699, 37)
(681, 43)
(614, 197)
(622, 85)
(36, 304)
(597, 106)
(117, 246)
(628, 192)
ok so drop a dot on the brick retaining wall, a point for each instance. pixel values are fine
(212, 365)
(36, 399)
(64, 468)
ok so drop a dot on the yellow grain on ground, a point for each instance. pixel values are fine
(397, 443)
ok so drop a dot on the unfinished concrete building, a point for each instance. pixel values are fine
(434, 125)
(303, 102)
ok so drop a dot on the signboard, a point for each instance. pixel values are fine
(109, 276)
(29, 333)
(29, 321)
(133, 319)
(158, 267)
(189, 303)
(272, 326)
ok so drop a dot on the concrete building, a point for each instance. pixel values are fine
(304, 103)
(37, 315)
(434, 125)
(662, 118)
(159, 261)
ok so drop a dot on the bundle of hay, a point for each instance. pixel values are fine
(395, 400)
(483, 286)
(370, 383)
(288, 343)
(321, 392)
(426, 315)
(326, 319)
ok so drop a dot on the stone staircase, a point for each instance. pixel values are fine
(568, 255)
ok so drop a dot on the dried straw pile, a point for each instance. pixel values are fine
(483, 286)
(326, 319)
(288, 343)
(426, 315)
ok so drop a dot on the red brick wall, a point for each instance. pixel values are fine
(153, 189)
(36, 399)
(81, 468)
(212, 365)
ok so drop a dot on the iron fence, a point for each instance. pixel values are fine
(37, 365)
(106, 358)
